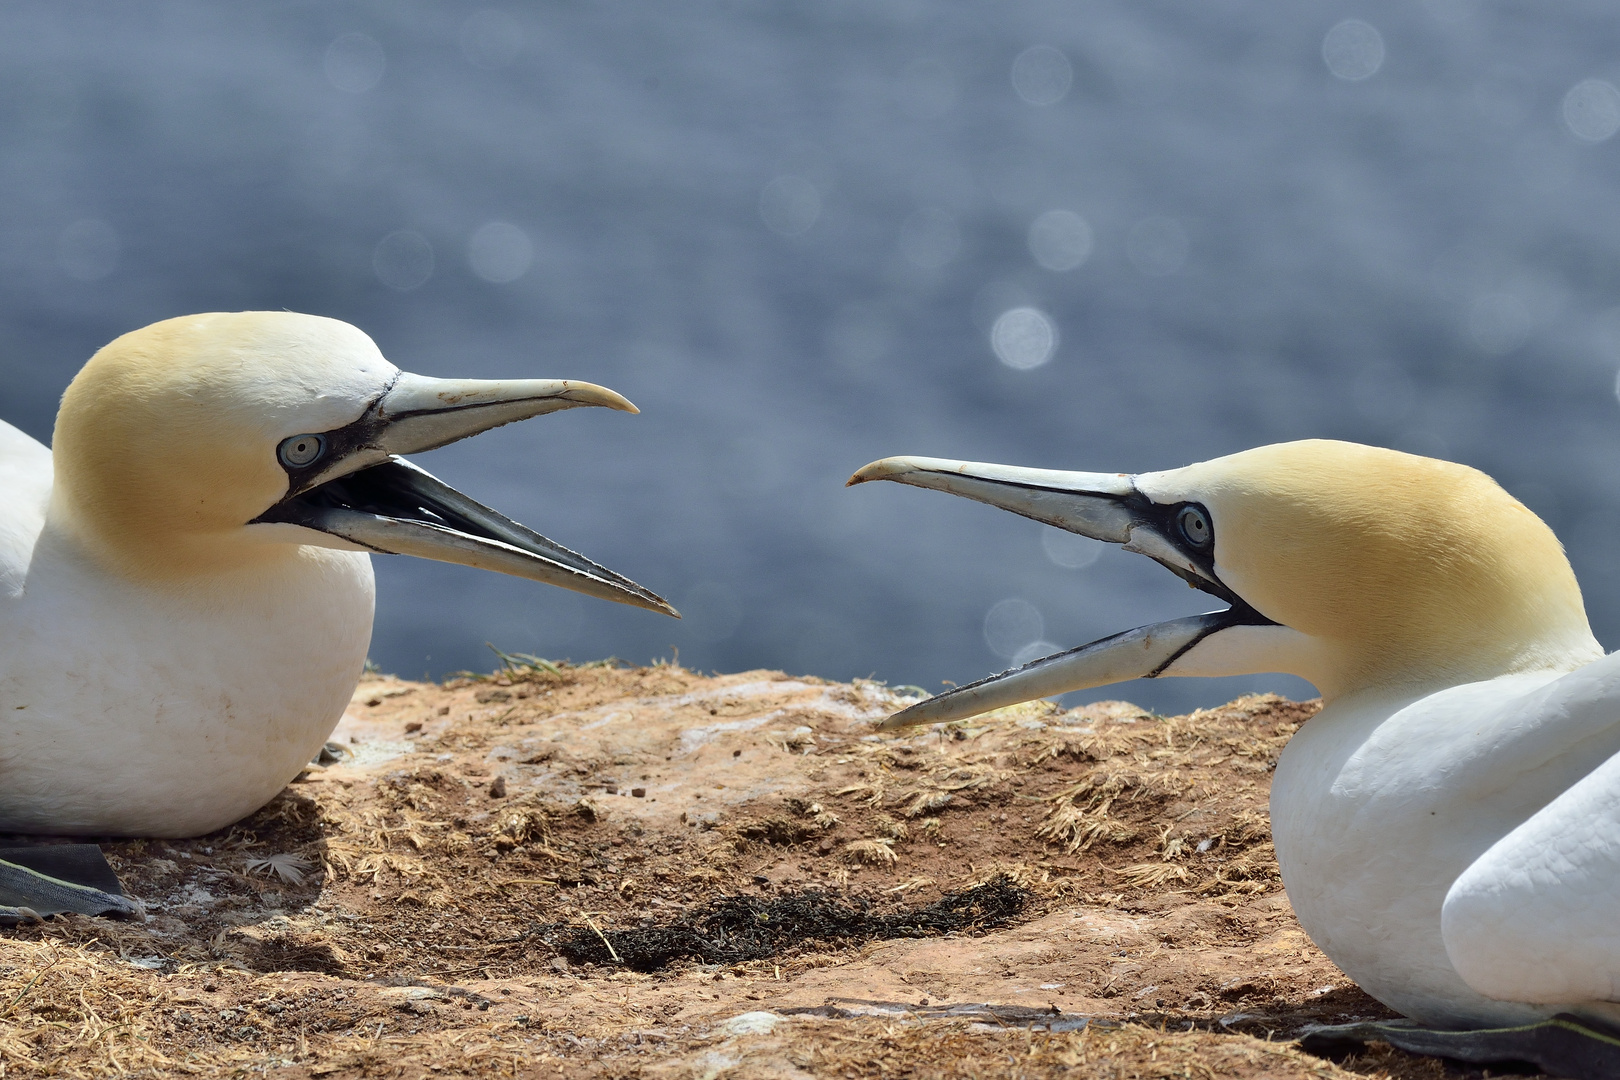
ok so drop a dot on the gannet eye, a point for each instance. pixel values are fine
(1194, 526)
(301, 450)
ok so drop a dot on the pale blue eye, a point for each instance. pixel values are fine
(301, 450)
(1194, 526)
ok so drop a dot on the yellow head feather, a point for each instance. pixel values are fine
(165, 443)
(1405, 569)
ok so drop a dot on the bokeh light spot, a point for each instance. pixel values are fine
(1353, 50)
(354, 63)
(1592, 110)
(1070, 550)
(88, 250)
(403, 260)
(1023, 338)
(1012, 625)
(1042, 75)
(491, 39)
(500, 252)
(1157, 246)
(789, 205)
(929, 239)
(1060, 240)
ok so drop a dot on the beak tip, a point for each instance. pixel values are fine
(619, 403)
(591, 394)
(877, 470)
(905, 718)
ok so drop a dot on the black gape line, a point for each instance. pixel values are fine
(1239, 614)
(1178, 523)
(335, 444)
(303, 471)
(387, 490)
(1189, 527)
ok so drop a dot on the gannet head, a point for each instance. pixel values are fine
(212, 441)
(1351, 566)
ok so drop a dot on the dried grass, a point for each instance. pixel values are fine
(426, 879)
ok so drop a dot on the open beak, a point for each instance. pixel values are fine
(1103, 506)
(361, 490)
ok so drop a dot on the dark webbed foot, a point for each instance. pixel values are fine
(1563, 1046)
(11, 916)
(57, 878)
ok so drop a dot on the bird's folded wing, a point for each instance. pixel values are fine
(25, 489)
(1537, 916)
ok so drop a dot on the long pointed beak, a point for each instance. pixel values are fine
(398, 508)
(1097, 505)
(363, 492)
(1143, 653)
(421, 414)
(418, 414)
(1104, 506)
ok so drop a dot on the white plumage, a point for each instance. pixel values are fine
(186, 590)
(1448, 826)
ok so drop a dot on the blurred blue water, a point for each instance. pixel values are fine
(787, 231)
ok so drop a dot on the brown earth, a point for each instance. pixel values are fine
(408, 911)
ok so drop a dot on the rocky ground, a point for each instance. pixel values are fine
(603, 871)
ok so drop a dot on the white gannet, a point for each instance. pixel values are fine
(185, 579)
(1448, 826)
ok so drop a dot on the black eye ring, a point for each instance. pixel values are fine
(301, 451)
(1194, 525)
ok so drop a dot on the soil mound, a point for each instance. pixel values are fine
(606, 871)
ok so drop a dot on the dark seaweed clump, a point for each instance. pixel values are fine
(733, 929)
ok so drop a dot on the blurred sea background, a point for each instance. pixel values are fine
(1090, 234)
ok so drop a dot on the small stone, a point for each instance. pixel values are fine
(373, 702)
(611, 789)
(413, 727)
(639, 792)
(444, 710)
(497, 788)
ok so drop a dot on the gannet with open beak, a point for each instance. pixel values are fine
(1448, 826)
(185, 580)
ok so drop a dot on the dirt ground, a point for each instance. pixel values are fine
(469, 889)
